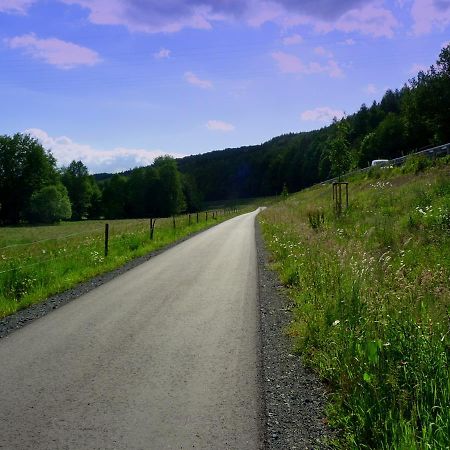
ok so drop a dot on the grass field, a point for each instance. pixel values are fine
(36, 262)
(371, 302)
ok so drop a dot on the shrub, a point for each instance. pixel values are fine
(50, 204)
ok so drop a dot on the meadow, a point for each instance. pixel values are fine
(39, 261)
(370, 293)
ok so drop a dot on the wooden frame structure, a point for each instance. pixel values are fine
(337, 196)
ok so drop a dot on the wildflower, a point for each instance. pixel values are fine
(336, 322)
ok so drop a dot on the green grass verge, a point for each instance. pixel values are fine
(372, 302)
(36, 262)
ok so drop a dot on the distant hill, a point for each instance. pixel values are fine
(403, 121)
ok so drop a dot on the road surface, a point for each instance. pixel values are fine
(164, 356)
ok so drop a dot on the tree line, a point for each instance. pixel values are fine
(404, 121)
(33, 189)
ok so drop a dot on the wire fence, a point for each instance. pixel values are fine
(26, 266)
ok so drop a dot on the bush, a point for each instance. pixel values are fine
(416, 163)
(50, 205)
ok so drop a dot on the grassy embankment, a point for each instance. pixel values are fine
(36, 262)
(371, 301)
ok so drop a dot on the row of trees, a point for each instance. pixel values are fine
(404, 121)
(33, 189)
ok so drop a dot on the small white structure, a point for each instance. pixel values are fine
(379, 162)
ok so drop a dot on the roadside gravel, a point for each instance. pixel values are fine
(294, 397)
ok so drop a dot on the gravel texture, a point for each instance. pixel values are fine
(294, 397)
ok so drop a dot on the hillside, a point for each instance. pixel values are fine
(370, 294)
(402, 122)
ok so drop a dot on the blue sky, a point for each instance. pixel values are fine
(117, 82)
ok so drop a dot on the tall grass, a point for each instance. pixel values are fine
(372, 296)
(36, 262)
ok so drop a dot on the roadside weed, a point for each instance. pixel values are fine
(372, 296)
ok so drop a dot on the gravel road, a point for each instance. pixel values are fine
(172, 354)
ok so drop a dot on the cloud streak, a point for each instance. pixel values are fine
(62, 54)
(219, 125)
(288, 63)
(292, 40)
(118, 159)
(164, 53)
(428, 14)
(154, 16)
(15, 6)
(193, 79)
(322, 114)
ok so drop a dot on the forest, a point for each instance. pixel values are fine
(404, 121)
(33, 189)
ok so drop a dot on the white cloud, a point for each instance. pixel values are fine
(15, 6)
(155, 16)
(428, 14)
(164, 53)
(321, 51)
(62, 54)
(322, 114)
(292, 40)
(218, 125)
(118, 159)
(370, 19)
(193, 79)
(416, 68)
(288, 63)
(371, 89)
(349, 42)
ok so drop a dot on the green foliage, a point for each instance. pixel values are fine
(372, 303)
(316, 218)
(25, 167)
(415, 164)
(50, 204)
(191, 193)
(338, 151)
(81, 188)
(170, 200)
(403, 121)
(115, 197)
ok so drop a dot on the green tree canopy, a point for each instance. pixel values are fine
(25, 167)
(338, 151)
(169, 191)
(49, 204)
(80, 187)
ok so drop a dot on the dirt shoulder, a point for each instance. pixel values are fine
(294, 397)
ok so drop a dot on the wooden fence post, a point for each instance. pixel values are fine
(152, 227)
(106, 238)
